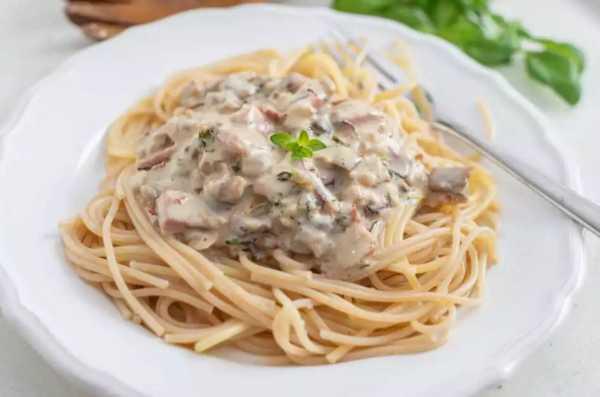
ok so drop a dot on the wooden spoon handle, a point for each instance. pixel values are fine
(101, 19)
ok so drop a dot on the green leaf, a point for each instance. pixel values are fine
(316, 145)
(463, 30)
(422, 4)
(303, 139)
(488, 41)
(299, 152)
(567, 50)
(282, 139)
(561, 73)
(300, 148)
(516, 26)
(362, 6)
(490, 52)
(474, 5)
(487, 37)
(414, 17)
(444, 13)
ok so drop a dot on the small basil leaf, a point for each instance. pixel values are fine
(303, 139)
(281, 139)
(299, 152)
(316, 144)
(559, 72)
(413, 17)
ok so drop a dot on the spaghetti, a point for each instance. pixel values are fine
(427, 263)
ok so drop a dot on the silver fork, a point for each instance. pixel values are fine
(581, 210)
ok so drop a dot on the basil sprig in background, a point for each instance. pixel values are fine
(485, 36)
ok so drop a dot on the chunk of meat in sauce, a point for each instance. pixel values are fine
(241, 84)
(178, 211)
(243, 224)
(224, 100)
(232, 143)
(450, 179)
(223, 186)
(252, 116)
(351, 115)
(191, 95)
(371, 171)
(156, 140)
(162, 143)
(294, 81)
(156, 158)
(231, 192)
(273, 186)
(256, 162)
(447, 186)
(339, 155)
(272, 115)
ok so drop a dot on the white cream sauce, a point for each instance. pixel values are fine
(212, 175)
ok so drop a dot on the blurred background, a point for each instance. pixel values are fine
(37, 35)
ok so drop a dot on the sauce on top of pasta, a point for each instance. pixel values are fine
(259, 164)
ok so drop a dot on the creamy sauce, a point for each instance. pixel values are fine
(210, 176)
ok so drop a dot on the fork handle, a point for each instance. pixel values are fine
(578, 208)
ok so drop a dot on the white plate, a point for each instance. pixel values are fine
(52, 163)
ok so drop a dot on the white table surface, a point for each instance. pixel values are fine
(35, 37)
